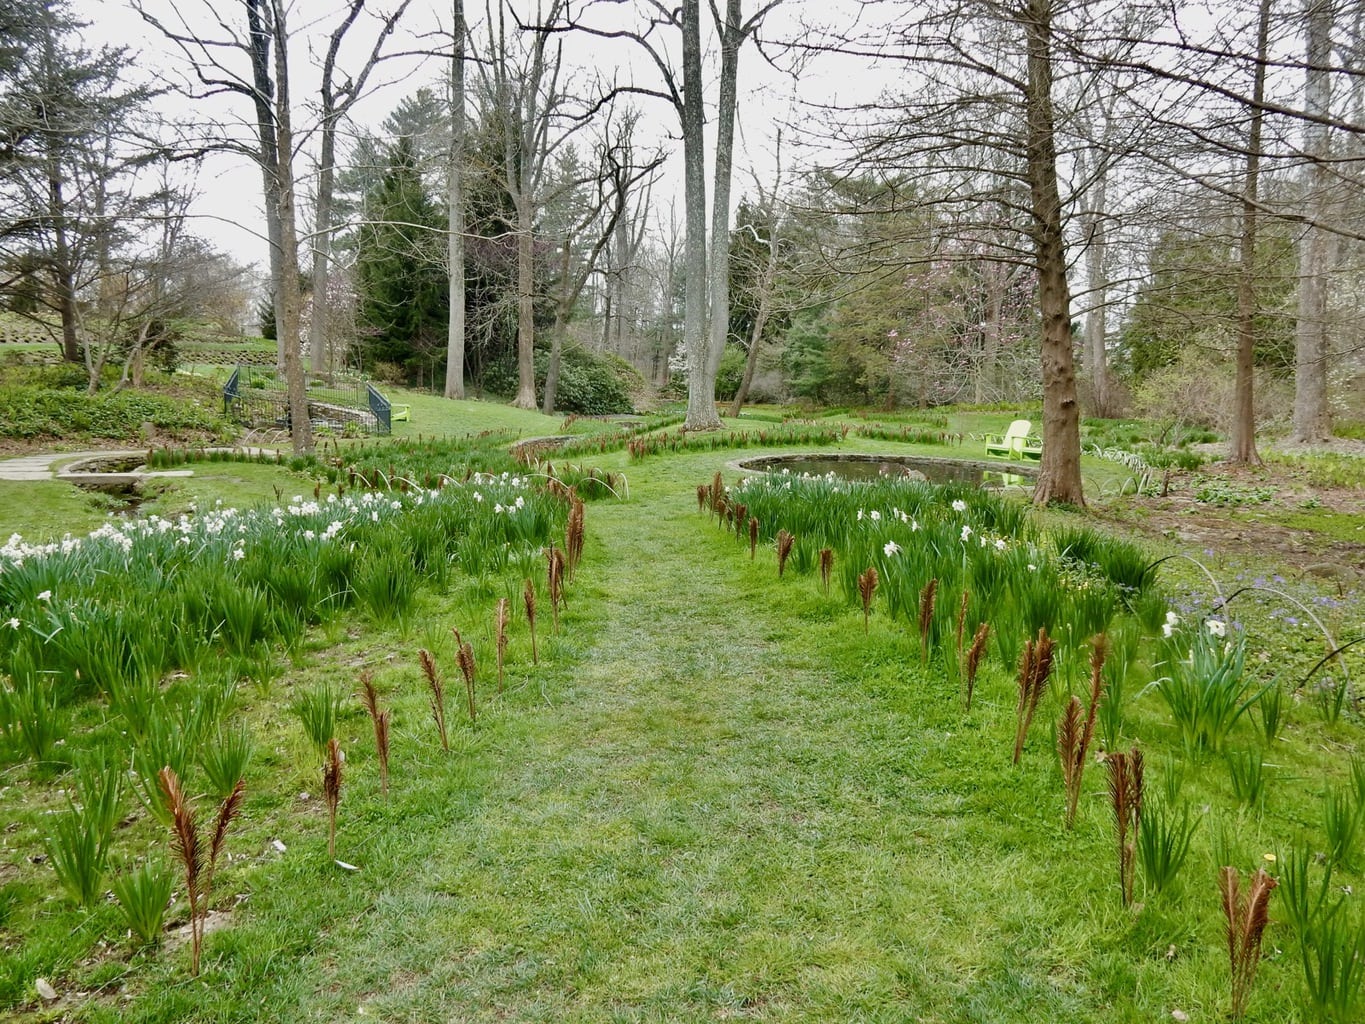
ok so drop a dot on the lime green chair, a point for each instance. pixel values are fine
(1015, 443)
(400, 411)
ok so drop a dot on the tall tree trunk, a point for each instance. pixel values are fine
(563, 304)
(766, 283)
(1097, 247)
(288, 299)
(455, 203)
(1059, 479)
(1312, 415)
(718, 268)
(322, 250)
(259, 20)
(701, 382)
(63, 273)
(526, 367)
(1242, 449)
(63, 279)
(997, 279)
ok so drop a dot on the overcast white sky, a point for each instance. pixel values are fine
(229, 207)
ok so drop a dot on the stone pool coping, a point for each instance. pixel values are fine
(992, 465)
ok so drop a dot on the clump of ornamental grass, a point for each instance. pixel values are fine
(501, 614)
(573, 535)
(867, 586)
(369, 697)
(927, 597)
(554, 579)
(225, 759)
(78, 848)
(1076, 729)
(826, 568)
(143, 894)
(1163, 842)
(197, 858)
(464, 657)
(1035, 665)
(1247, 916)
(974, 656)
(317, 710)
(528, 599)
(331, 792)
(1125, 796)
(438, 694)
(784, 549)
(753, 536)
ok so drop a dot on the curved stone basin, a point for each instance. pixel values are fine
(881, 467)
(114, 471)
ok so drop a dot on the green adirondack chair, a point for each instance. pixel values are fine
(1015, 443)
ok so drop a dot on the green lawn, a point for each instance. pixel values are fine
(716, 798)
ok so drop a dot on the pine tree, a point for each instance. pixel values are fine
(401, 284)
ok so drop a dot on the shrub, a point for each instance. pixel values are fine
(589, 384)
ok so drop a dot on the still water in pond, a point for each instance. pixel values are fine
(879, 469)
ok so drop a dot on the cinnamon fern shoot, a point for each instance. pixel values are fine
(1247, 916)
(500, 616)
(927, 597)
(331, 792)
(196, 862)
(380, 719)
(974, 656)
(867, 586)
(528, 599)
(438, 695)
(826, 567)
(1035, 665)
(554, 578)
(573, 535)
(1074, 733)
(784, 549)
(465, 658)
(1125, 796)
(753, 537)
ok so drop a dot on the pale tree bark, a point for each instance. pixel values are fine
(1059, 479)
(336, 102)
(701, 383)
(526, 370)
(997, 276)
(718, 267)
(767, 280)
(289, 299)
(1096, 327)
(262, 92)
(766, 284)
(529, 101)
(1094, 220)
(1242, 448)
(455, 207)
(1312, 344)
(704, 292)
(613, 180)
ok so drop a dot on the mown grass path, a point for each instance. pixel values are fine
(733, 805)
(729, 810)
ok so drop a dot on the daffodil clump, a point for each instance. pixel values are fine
(140, 597)
(1016, 576)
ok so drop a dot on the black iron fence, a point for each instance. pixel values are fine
(258, 399)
